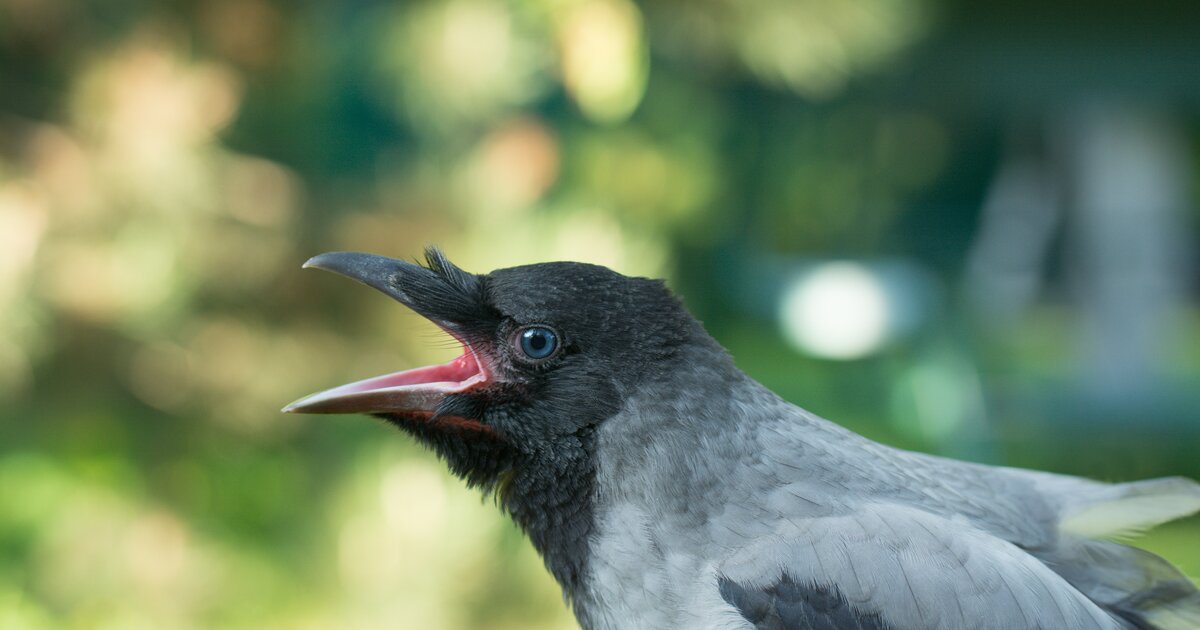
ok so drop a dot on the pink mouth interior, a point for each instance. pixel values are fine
(419, 390)
(446, 376)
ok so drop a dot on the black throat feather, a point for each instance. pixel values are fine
(548, 493)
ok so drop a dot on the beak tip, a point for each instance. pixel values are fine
(296, 406)
(316, 404)
(312, 262)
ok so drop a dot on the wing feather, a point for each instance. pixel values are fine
(904, 568)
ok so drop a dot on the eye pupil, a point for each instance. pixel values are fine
(538, 342)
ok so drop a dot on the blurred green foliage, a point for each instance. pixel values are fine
(166, 166)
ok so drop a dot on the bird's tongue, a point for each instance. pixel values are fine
(417, 390)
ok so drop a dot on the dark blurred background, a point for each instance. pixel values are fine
(968, 228)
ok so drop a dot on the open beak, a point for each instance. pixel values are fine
(417, 391)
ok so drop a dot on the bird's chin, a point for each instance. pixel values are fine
(413, 393)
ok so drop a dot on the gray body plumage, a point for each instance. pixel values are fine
(709, 476)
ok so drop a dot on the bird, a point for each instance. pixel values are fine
(665, 488)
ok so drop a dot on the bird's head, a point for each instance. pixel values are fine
(549, 352)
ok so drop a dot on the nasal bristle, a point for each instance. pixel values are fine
(437, 262)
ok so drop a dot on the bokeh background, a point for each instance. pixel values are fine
(967, 228)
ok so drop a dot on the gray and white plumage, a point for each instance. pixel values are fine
(667, 489)
(914, 540)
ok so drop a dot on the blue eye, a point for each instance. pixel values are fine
(538, 342)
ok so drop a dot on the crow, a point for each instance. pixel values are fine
(665, 488)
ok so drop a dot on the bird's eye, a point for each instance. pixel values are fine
(537, 342)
